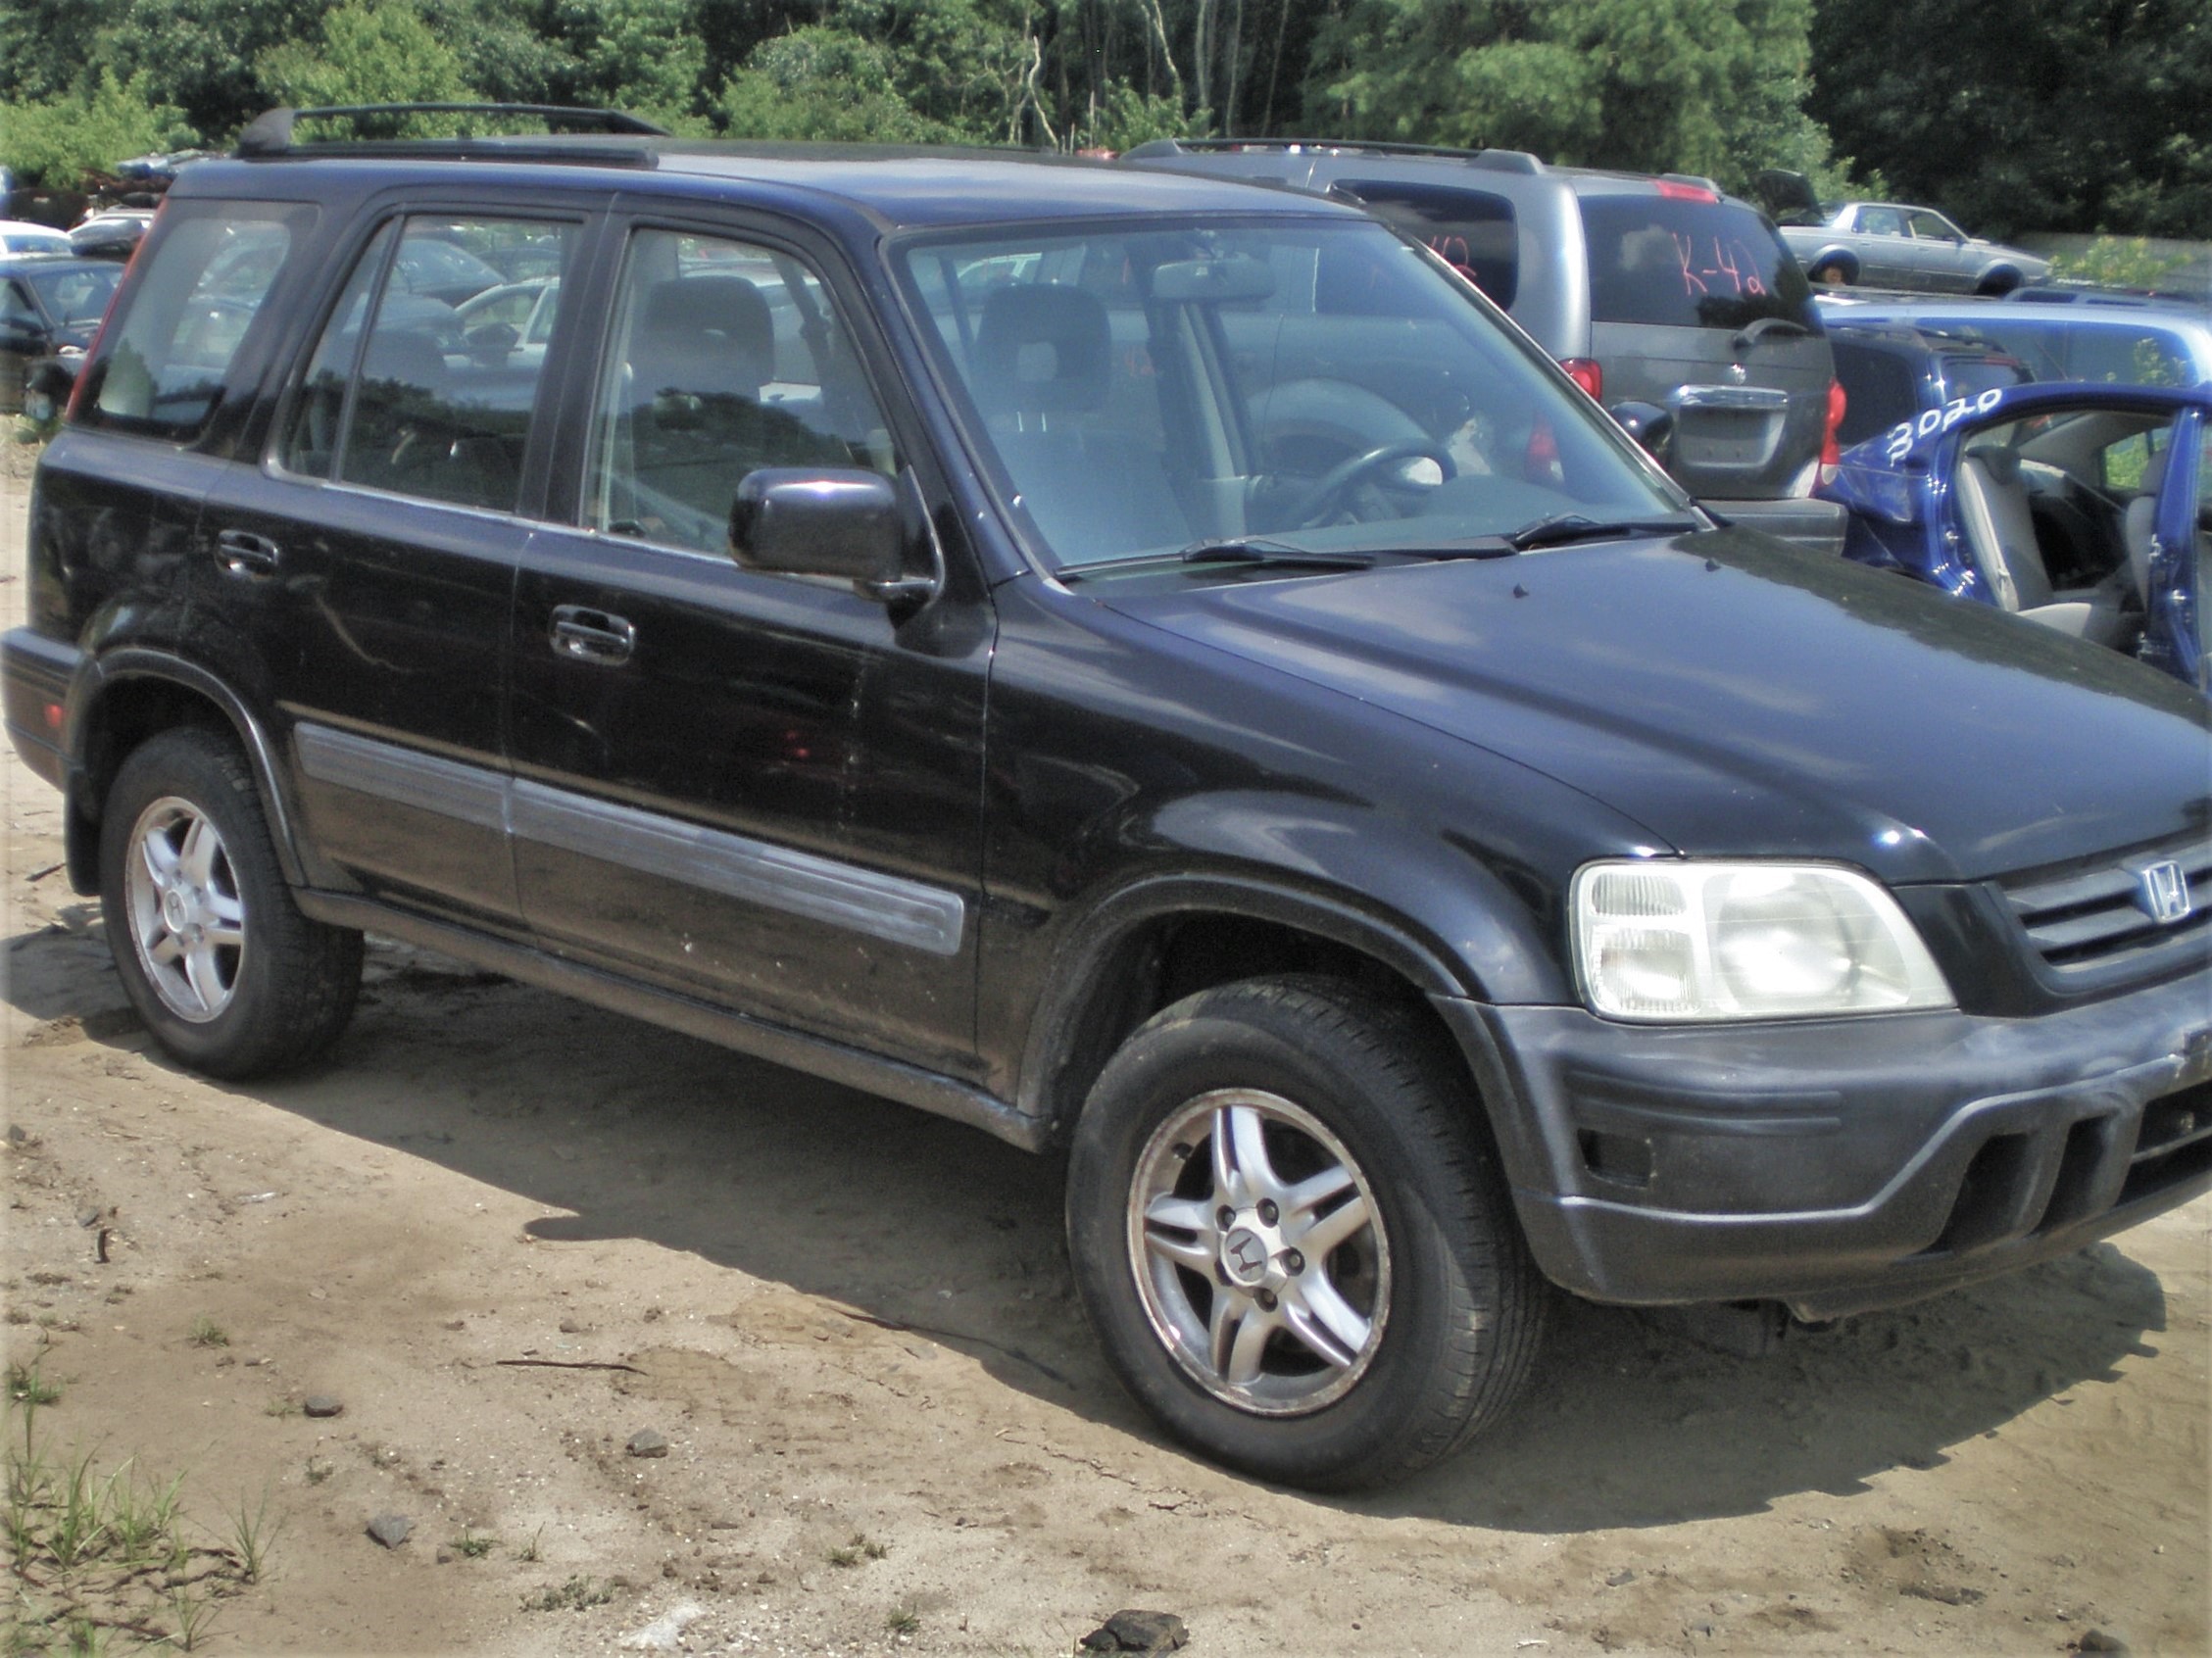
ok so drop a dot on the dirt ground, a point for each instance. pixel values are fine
(506, 1233)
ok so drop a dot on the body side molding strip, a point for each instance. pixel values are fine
(890, 907)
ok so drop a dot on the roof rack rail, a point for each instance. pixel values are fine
(271, 132)
(1498, 161)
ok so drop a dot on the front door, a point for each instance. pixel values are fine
(753, 787)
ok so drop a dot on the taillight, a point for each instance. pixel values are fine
(1831, 451)
(1586, 373)
(1674, 190)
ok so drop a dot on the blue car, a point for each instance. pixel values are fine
(2083, 508)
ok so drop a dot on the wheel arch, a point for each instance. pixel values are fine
(1846, 262)
(1998, 278)
(1163, 938)
(124, 698)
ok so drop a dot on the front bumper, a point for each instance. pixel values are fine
(1843, 1164)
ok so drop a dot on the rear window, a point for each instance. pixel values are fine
(1474, 231)
(164, 367)
(1687, 263)
(1880, 385)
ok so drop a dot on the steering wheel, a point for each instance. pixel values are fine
(1329, 490)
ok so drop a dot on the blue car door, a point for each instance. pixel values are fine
(2174, 631)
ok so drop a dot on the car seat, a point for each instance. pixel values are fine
(1043, 365)
(2137, 527)
(2000, 538)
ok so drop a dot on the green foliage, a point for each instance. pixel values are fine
(57, 140)
(2084, 115)
(823, 83)
(2119, 262)
(644, 56)
(370, 52)
(1703, 86)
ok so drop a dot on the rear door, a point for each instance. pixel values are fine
(1696, 306)
(365, 563)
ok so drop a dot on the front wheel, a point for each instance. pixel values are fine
(220, 962)
(1292, 1235)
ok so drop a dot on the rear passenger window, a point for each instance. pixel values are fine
(430, 399)
(165, 371)
(1474, 231)
(727, 358)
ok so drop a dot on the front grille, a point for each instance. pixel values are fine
(2092, 915)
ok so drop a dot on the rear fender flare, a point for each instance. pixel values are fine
(99, 678)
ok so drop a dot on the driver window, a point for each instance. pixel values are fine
(1930, 229)
(727, 357)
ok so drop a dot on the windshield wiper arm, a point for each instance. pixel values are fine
(1258, 550)
(1558, 529)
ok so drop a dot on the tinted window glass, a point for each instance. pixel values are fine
(164, 367)
(1971, 376)
(1139, 388)
(727, 358)
(76, 298)
(311, 440)
(1690, 264)
(1880, 388)
(1932, 228)
(421, 404)
(1474, 231)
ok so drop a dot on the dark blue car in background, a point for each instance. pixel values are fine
(2083, 508)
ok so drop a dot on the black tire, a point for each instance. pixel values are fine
(1997, 284)
(278, 995)
(1452, 1305)
(1830, 273)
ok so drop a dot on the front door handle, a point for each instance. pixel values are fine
(592, 636)
(245, 554)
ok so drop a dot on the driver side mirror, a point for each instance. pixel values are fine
(843, 522)
(1647, 423)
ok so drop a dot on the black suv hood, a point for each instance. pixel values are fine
(1736, 695)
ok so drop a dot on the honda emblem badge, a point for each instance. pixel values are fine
(2165, 893)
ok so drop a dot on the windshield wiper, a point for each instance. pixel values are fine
(1752, 332)
(1258, 550)
(1558, 529)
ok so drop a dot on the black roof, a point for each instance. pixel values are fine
(895, 187)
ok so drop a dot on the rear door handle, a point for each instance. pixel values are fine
(592, 636)
(245, 554)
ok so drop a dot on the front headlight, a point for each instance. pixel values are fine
(1745, 940)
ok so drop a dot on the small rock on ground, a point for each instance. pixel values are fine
(319, 1404)
(1144, 1632)
(390, 1529)
(2097, 1641)
(648, 1442)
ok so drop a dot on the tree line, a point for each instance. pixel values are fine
(2051, 115)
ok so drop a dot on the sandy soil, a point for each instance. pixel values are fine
(507, 1233)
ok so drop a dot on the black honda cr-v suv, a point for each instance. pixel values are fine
(1144, 665)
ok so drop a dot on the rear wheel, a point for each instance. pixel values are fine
(1830, 273)
(220, 962)
(1292, 1235)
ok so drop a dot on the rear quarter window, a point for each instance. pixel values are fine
(1474, 231)
(1686, 262)
(165, 363)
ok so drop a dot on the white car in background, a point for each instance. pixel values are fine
(21, 237)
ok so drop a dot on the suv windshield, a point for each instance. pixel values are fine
(1142, 390)
(1689, 261)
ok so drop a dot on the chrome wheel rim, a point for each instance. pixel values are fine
(1259, 1252)
(187, 922)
